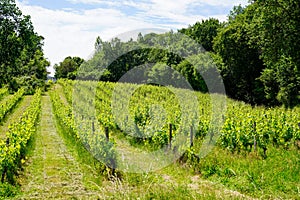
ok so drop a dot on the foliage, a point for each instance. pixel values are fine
(146, 116)
(242, 64)
(258, 46)
(155, 58)
(68, 68)
(13, 150)
(204, 32)
(256, 67)
(8, 104)
(20, 47)
(7, 190)
(28, 83)
(3, 92)
(275, 29)
(81, 131)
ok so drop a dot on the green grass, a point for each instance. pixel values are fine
(277, 176)
(52, 171)
(172, 182)
(91, 168)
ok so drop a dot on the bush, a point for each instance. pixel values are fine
(29, 83)
(7, 190)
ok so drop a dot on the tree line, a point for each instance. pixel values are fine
(22, 61)
(256, 51)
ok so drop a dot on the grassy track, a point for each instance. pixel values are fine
(52, 171)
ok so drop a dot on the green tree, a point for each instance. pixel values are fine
(68, 68)
(275, 30)
(20, 46)
(114, 58)
(242, 63)
(204, 32)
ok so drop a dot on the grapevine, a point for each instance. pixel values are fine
(152, 109)
(13, 149)
(9, 104)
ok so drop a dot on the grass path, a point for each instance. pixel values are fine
(52, 172)
(14, 115)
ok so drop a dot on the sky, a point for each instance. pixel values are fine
(70, 27)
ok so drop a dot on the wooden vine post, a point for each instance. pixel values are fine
(254, 139)
(93, 126)
(107, 134)
(170, 136)
(191, 137)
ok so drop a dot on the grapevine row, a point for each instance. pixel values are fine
(9, 104)
(80, 129)
(142, 120)
(12, 151)
(3, 92)
(245, 128)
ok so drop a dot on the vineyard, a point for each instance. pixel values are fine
(208, 110)
(129, 109)
(117, 129)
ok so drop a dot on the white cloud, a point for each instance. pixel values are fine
(169, 3)
(93, 2)
(223, 2)
(70, 32)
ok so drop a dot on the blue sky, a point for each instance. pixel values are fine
(70, 27)
(194, 8)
